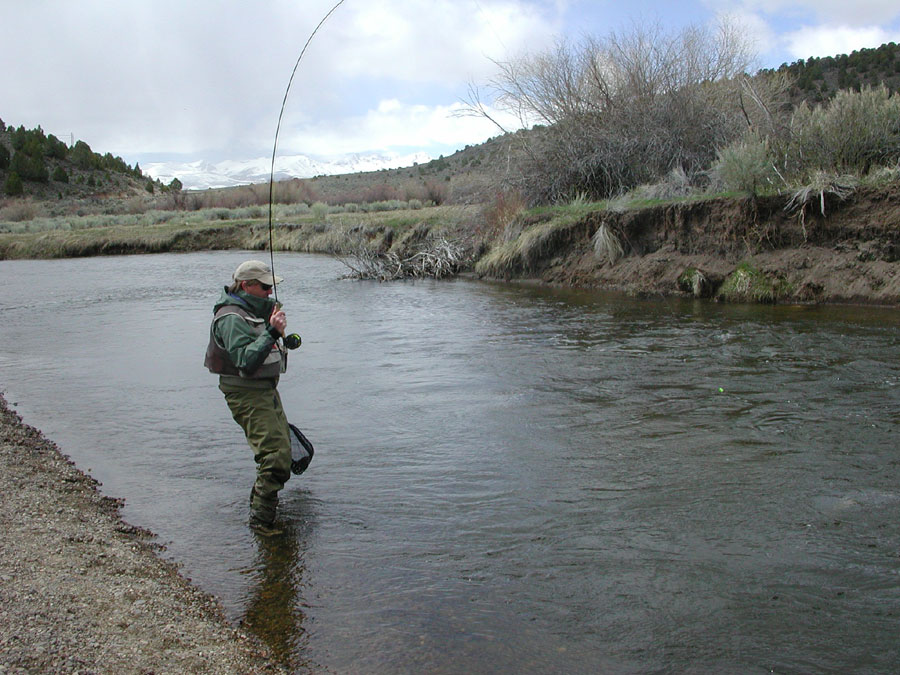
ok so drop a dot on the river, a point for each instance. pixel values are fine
(508, 479)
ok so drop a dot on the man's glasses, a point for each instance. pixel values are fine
(265, 287)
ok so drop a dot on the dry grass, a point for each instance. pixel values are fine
(607, 245)
(524, 253)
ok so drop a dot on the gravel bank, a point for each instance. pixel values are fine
(83, 591)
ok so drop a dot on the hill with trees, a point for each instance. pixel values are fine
(818, 79)
(43, 167)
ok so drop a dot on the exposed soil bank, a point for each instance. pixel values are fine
(742, 250)
(83, 591)
(851, 255)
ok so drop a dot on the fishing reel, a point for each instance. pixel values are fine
(291, 341)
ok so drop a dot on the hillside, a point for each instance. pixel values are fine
(41, 166)
(819, 79)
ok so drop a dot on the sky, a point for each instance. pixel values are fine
(169, 80)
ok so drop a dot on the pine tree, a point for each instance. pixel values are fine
(13, 185)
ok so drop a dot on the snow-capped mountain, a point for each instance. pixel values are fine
(200, 175)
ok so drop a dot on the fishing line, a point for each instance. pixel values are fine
(275, 145)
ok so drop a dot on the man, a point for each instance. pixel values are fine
(246, 352)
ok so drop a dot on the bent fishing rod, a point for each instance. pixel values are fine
(275, 149)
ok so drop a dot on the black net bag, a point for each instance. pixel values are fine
(301, 450)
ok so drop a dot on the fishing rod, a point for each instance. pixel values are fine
(275, 146)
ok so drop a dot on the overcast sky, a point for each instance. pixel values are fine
(176, 80)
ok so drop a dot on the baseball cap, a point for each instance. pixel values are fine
(256, 270)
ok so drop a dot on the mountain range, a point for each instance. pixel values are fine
(200, 175)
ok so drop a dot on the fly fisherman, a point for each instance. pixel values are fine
(245, 350)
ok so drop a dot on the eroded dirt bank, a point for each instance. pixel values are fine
(850, 255)
(83, 591)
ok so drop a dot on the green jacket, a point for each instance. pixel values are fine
(243, 348)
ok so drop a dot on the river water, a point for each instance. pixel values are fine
(507, 478)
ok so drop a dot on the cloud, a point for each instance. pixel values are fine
(833, 40)
(834, 12)
(440, 40)
(394, 124)
(206, 76)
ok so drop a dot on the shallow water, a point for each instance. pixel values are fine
(507, 478)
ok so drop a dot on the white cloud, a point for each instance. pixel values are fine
(394, 124)
(437, 41)
(753, 28)
(833, 40)
(840, 12)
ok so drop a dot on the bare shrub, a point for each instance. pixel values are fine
(498, 214)
(629, 108)
(294, 191)
(435, 192)
(21, 210)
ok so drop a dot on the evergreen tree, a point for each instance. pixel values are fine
(13, 185)
(82, 156)
(55, 148)
(4, 157)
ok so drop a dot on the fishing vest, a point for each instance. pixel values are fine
(218, 361)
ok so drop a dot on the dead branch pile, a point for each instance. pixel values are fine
(435, 257)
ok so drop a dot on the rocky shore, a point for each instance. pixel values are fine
(82, 591)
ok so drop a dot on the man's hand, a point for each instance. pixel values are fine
(278, 320)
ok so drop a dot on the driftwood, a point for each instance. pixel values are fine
(434, 257)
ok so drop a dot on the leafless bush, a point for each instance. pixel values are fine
(498, 214)
(20, 210)
(435, 192)
(630, 108)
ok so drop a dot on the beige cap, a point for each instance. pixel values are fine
(256, 270)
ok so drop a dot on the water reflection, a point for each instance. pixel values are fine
(275, 606)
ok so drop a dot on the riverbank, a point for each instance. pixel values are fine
(828, 251)
(83, 591)
(732, 250)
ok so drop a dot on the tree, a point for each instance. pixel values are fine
(4, 157)
(12, 186)
(175, 185)
(30, 166)
(60, 175)
(55, 148)
(82, 156)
